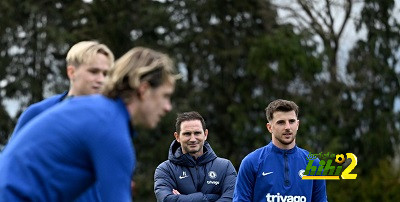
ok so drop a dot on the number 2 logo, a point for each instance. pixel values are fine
(346, 173)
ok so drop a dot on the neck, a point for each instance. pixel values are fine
(197, 154)
(71, 92)
(283, 146)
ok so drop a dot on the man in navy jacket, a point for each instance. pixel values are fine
(193, 172)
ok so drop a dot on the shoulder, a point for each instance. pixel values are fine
(39, 107)
(94, 114)
(260, 153)
(166, 168)
(305, 155)
(302, 152)
(91, 106)
(36, 109)
(164, 164)
(254, 159)
(222, 162)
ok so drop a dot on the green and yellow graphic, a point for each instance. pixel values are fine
(326, 171)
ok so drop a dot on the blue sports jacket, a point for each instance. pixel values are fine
(207, 178)
(35, 109)
(272, 174)
(68, 148)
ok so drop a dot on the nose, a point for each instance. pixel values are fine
(287, 126)
(192, 138)
(101, 77)
(168, 106)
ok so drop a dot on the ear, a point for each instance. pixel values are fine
(268, 125)
(206, 134)
(176, 136)
(71, 72)
(142, 89)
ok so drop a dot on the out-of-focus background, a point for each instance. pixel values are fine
(337, 59)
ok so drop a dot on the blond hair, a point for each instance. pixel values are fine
(85, 51)
(136, 66)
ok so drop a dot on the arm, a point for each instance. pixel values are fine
(244, 188)
(113, 157)
(165, 188)
(319, 191)
(229, 183)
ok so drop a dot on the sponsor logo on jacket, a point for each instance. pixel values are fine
(213, 182)
(280, 198)
(212, 175)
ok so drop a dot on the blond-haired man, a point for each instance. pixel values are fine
(87, 140)
(87, 65)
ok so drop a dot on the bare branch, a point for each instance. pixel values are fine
(328, 7)
(346, 18)
(314, 23)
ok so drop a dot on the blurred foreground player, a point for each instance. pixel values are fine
(86, 140)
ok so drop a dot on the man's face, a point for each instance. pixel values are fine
(155, 103)
(192, 137)
(88, 78)
(283, 128)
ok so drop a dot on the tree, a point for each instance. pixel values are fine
(210, 41)
(32, 46)
(376, 85)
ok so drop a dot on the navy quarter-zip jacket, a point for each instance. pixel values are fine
(207, 178)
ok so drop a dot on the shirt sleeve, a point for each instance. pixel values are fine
(113, 159)
(319, 191)
(164, 183)
(244, 189)
(229, 183)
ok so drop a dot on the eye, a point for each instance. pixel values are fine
(280, 122)
(93, 71)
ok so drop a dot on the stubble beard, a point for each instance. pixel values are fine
(284, 141)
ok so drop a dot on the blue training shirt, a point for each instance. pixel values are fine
(35, 109)
(62, 152)
(274, 175)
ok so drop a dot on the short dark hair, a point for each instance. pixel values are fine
(280, 106)
(188, 116)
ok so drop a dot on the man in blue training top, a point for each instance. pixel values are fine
(87, 65)
(273, 173)
(86, 140)
(193, 172)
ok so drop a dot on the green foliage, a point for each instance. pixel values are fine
(234, 59)
(376, 86)
(381, 184)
